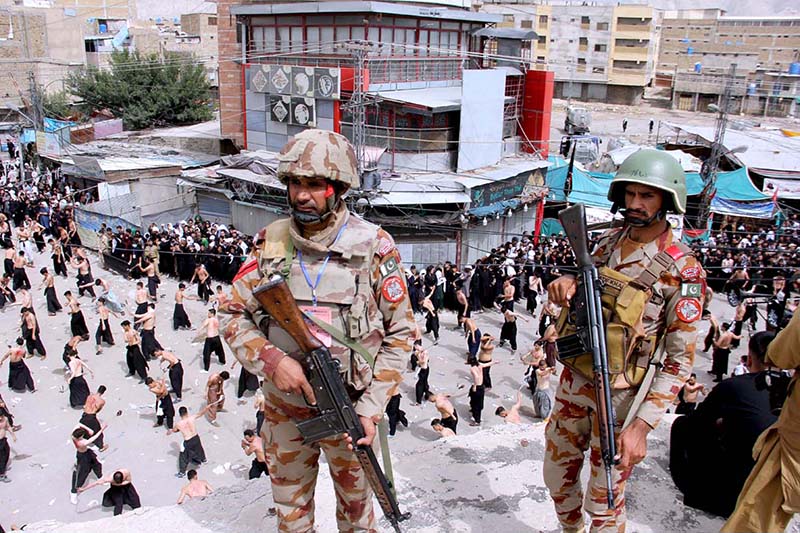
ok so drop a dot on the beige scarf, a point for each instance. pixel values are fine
(320, 241)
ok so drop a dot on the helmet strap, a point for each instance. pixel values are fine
(640, 223)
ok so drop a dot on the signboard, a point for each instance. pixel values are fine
(296, 111)
(497, 191)
(49, 143)
(304, 82)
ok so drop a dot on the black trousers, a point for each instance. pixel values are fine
(476, 402)
(193, 452)
(103, 333)
(5, 452)
(167, 411)
(85, 463)
(422, 384)
(118, 495)
(90, 421)
(176, 378)
(257, 468)
(213, 345)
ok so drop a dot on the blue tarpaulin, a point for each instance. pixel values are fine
(51, 124)
(591, 188)
(492, 209)
(760, 209)
(551, 226)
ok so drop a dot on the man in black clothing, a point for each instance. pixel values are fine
(711, 449)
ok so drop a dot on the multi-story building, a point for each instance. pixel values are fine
(698, 46)
(598, 52)
(430, 96)
(41, 43)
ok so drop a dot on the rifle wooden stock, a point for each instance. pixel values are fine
(277, 300)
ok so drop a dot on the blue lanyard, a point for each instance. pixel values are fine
(321, 269)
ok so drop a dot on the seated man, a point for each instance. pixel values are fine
(714, 444)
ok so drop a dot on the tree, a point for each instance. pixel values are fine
(57, 105)
(146, 90)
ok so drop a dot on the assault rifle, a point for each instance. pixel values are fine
(587, 313)
(336, 414)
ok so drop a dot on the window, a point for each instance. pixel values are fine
(212, 21)
(543, 20)
(540, 59)
(583, 41)
(581, 61)
(542, 39)
(602, 26)
(598, 70)
(600, 48)
(584, 20)
(526, 24)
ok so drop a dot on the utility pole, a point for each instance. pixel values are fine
(711, 166)
(38, 119)
(360, 51)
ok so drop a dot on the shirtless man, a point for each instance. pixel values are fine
(511, 416)
(722, 349)
(121, 491)
(541, 398)
(449, 418)
(691, 389)
(148, 322)
(477, 390)
(196, 488)
(10, 256)
(508, 295)
(141, 299)
(77, 321)
(422, 385)
(5, 449)
(20, 278)
(85, 459)
(49, 286)
(78, 388)
(94, 404)
(444, 432)
(463, 303)
(180, 320)
(149, 270)
(203, 282)
(163, 400)
(220, 297)
(473, 335)
(215, 395)
(213, 344)
(85, 280)
(531, 360)
(175, 371)
(251, 444)
(31, 333)
(59, 261)
(26, 299)
(133, 356)
(103, 333)
(192, 449)
(509, 329)
(19, 375)
(117, 308)
(485, 357)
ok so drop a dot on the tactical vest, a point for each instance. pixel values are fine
(624, 300)
(344, 295)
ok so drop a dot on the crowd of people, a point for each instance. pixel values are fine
(756, 267)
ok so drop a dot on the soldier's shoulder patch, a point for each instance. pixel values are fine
(245, 269)
(388, 266)
(688, 309)
(691, 272)
(393, 289)
(385, 246)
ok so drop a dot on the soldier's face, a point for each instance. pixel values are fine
(308, 195)
(642, 201)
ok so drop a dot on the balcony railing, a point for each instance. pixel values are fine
(407, 139)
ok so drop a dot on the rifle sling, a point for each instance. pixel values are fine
(359, 348)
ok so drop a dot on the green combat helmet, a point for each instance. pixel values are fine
(654, 168)
(319, 154)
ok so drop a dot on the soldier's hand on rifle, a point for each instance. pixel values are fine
(369, 433)
(632, 444)
(290, 377)
(561, 290)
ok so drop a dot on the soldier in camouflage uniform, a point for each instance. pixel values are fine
(343, 271)
(648, 184)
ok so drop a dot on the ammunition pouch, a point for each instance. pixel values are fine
(630, 350)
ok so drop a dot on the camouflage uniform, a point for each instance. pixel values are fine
(362, 293)
(573, 426)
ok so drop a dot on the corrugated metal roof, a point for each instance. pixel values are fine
(389, 8)
(433, 99)
(506, 33)
(766, 149)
